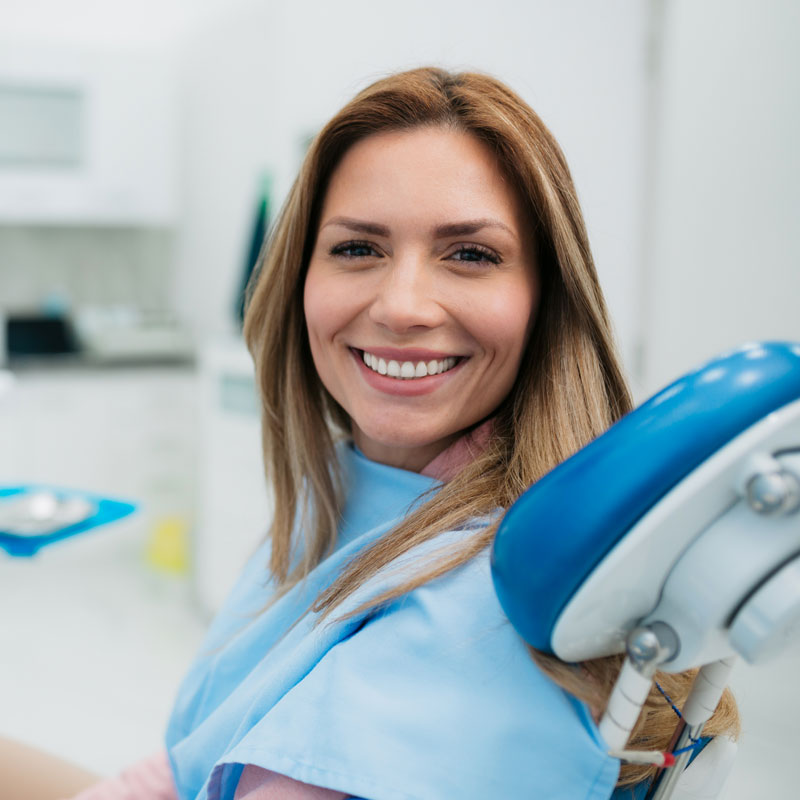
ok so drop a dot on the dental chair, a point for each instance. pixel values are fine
(674, 537)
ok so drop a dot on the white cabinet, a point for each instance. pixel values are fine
(127, 433)
(90, 136)
(234, 506)
(184, 444)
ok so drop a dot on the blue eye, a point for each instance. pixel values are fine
(475, 254)
(353, 250)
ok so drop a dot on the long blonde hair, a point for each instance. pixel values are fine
(569, 389)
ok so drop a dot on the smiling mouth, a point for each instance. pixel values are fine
(408, 370)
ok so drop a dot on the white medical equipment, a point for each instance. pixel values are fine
(674, 536)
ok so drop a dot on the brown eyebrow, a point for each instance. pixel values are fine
(359, 226)
(440, 231)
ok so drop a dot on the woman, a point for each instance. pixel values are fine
(428, 293)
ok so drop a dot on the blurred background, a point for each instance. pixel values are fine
(143, 148)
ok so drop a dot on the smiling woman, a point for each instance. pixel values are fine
(429, 339)
(418, 331)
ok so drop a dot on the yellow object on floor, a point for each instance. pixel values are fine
(168, 548)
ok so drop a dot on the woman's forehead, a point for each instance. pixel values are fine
(431, 176)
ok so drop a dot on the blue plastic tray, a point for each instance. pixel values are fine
(105, 510)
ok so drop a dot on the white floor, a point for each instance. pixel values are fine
(93, 644)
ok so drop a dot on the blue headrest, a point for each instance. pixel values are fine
(555, 535)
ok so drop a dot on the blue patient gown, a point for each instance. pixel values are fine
(433, 698)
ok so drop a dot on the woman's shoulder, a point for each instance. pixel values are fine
(438, 670)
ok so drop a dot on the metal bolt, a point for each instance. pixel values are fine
(773, 493)
(642, 645)
(651, 645)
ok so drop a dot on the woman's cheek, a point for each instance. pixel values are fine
(504, 321)
(318, 304)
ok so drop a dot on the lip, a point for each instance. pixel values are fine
(406, 354)
(405, 388)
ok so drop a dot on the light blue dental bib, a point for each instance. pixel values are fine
(434, 698)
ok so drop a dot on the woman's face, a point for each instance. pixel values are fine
(421, 290)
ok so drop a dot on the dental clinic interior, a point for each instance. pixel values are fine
(145, 149)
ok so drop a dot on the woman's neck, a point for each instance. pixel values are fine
(440, 460)
(413, 459)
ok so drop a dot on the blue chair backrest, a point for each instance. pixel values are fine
(558, 531)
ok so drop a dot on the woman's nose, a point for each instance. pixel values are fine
(406, 297)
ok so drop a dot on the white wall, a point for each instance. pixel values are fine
(107, 23)
(724, 256)
(263, 76)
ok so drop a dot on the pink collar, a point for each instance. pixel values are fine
(463, 451)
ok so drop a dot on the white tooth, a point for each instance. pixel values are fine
(433, 367)
(365, 357)
(421, 371)
(382, 368)
(440, 366)
(406, 370)
(373, 362)
(393, 369)
(451, 362)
